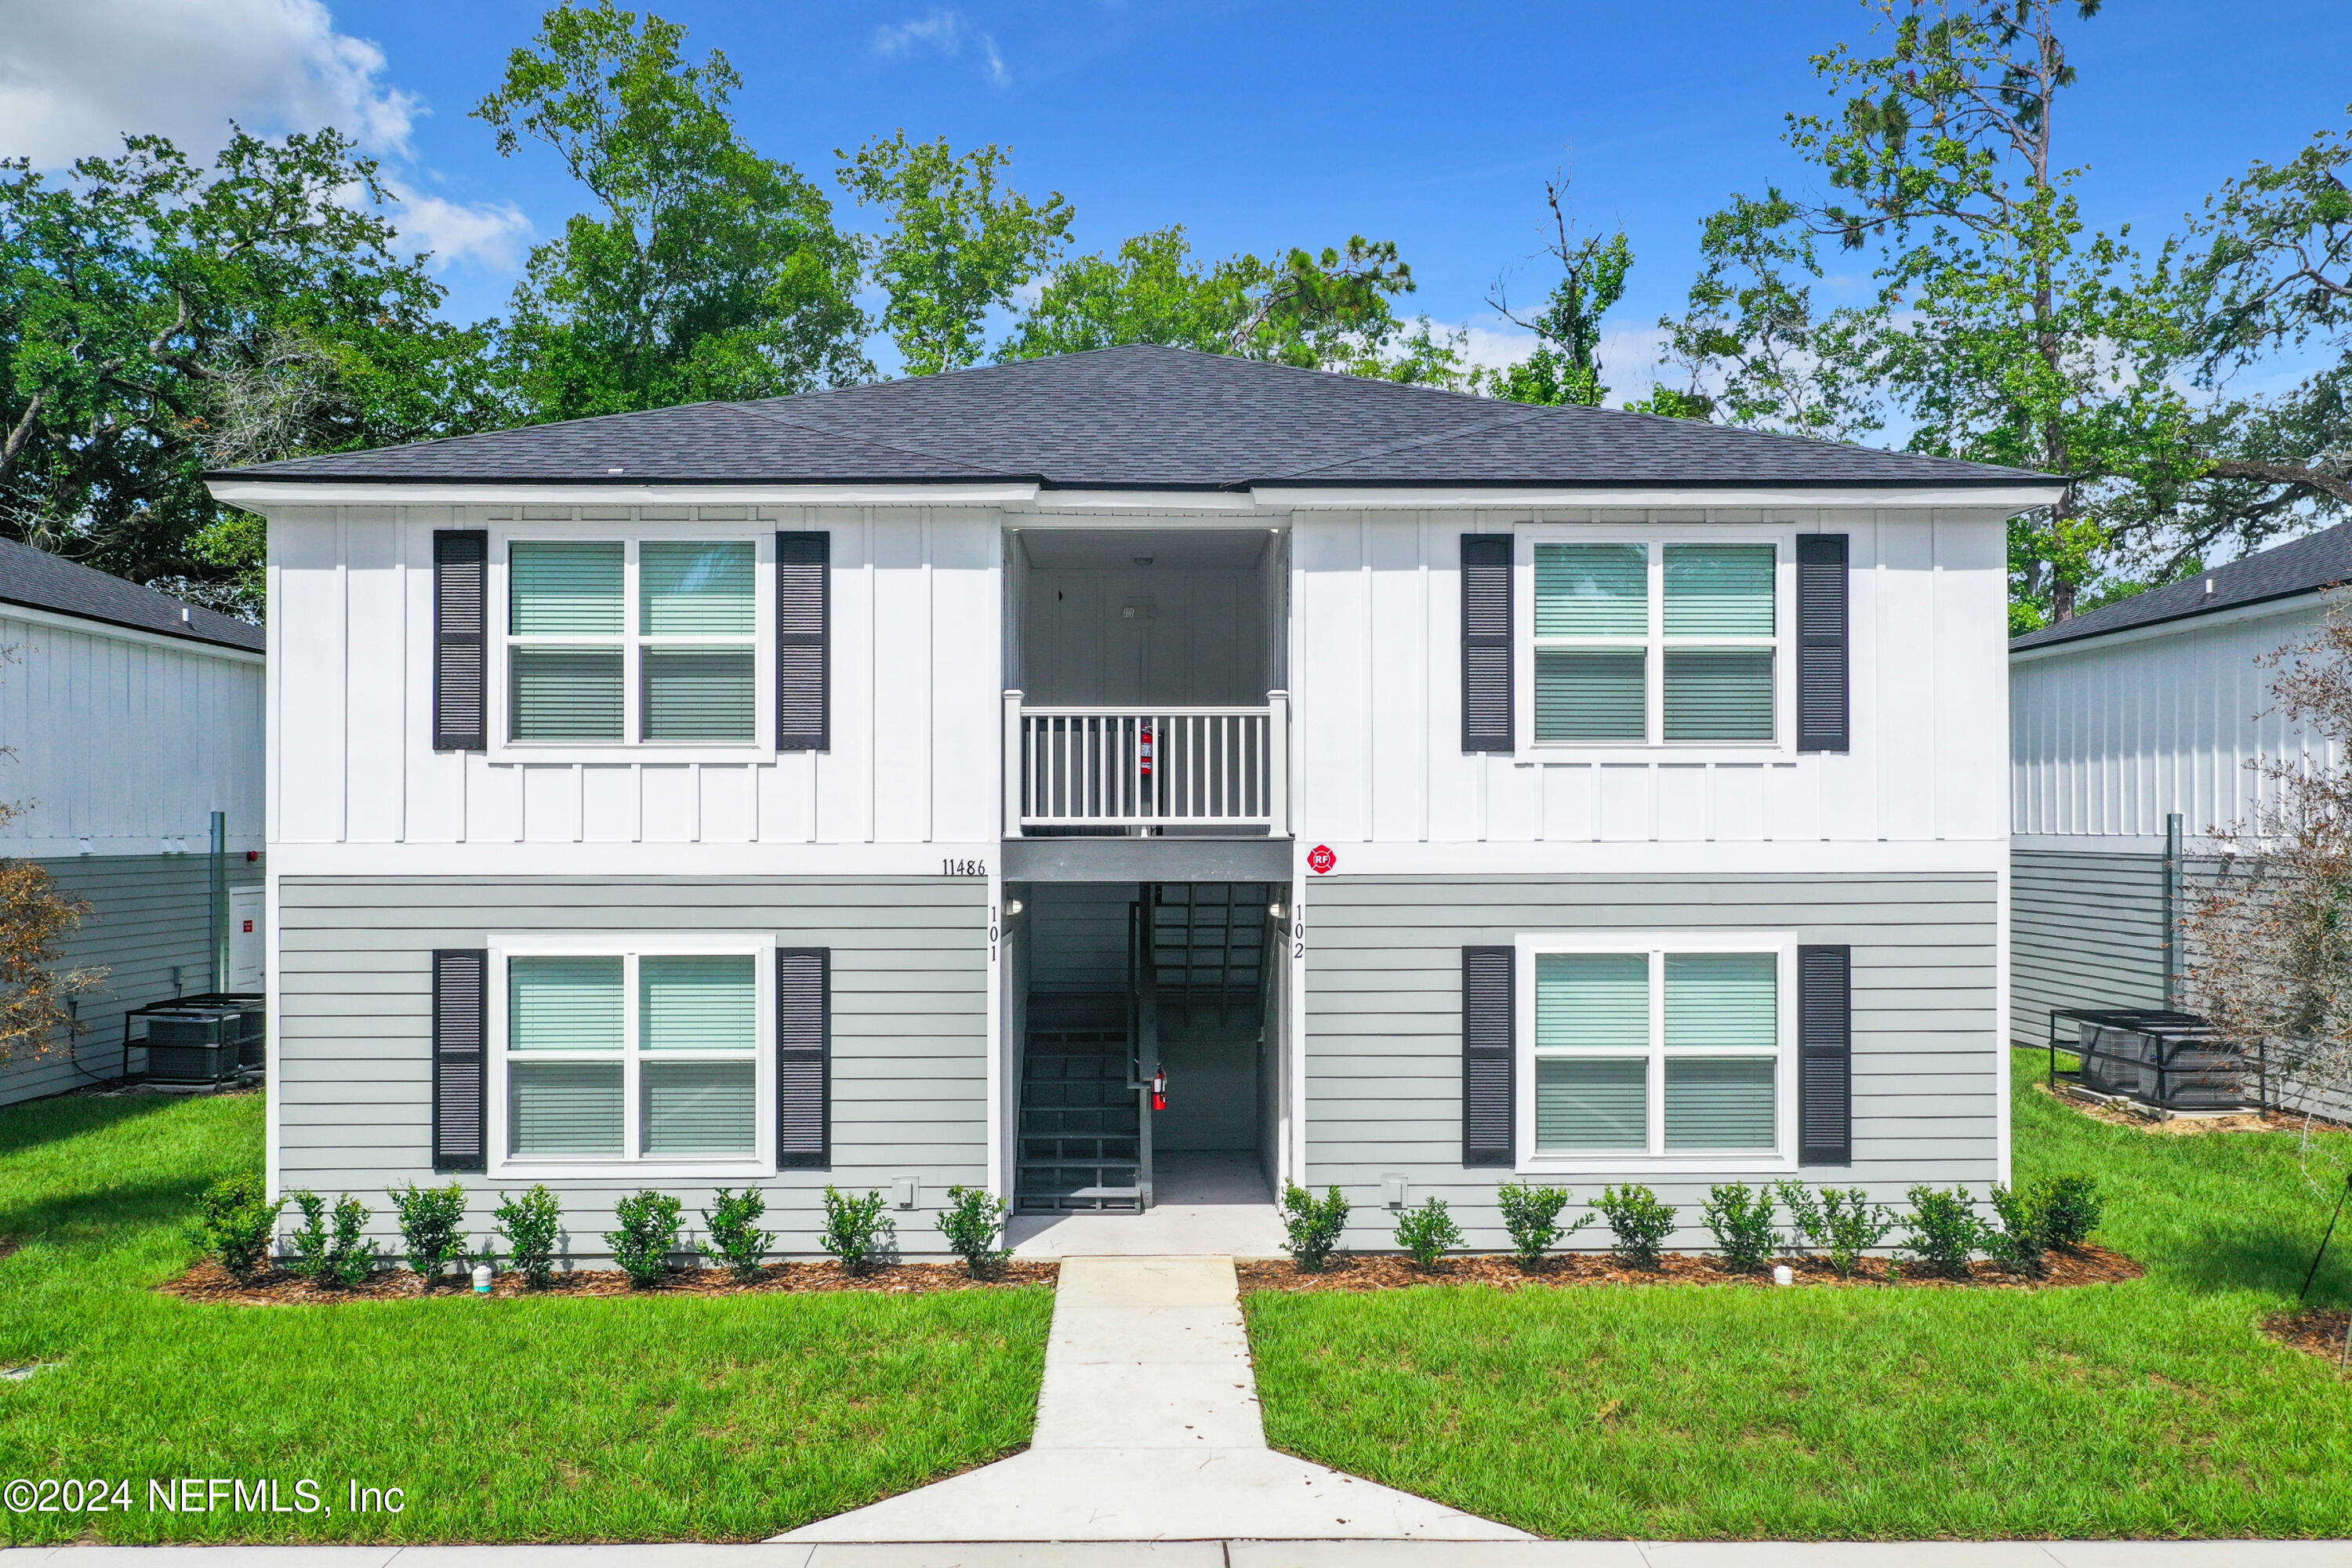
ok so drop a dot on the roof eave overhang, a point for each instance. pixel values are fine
(2284, 602)
(2007, 493)
(261, 493)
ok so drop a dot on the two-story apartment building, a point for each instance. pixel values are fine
(886, 786)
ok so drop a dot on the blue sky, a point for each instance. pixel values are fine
(1254, 125)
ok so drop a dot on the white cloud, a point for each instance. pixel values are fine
(77, 74)
(1629, 356)
(944, 31)
(490, 234)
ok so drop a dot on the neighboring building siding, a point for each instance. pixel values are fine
(2086, 930)
(2108, 735)
(150, 927)
(1385, 1024)
(909, 1029)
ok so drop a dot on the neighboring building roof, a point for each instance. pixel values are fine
(2305, 565)
(46, 582)
(1142, 417)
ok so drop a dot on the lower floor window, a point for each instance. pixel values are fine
(1657, 1051)
(633, 1054)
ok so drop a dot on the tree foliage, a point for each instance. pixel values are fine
(709, 272)
(157, 317)
(960, 243)
(1565, 365)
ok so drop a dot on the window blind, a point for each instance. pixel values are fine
(561, 587)
(700, 1107)
(563, 1107)
(700, 694)
(697, 589)
(565, 694)
(1723, 1000)
(1719, 590)
(1592, 1000)
(698, 1003)
(1719, 1102)
(1718, 694)
(1592, 590)
(563, 1004)
(1599, 696)
(1592, 1102)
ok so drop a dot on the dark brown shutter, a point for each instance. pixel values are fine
(804, 1058)
(803, 642)
(1489, 1066)
(1825, 1056)
(461, 668)
(460, 1058)
(1823, 689)
(1486, 642)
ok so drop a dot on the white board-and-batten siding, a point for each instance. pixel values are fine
(1376, 644)
(2109, 735)
(910, 1037)
(1383, 1013)
(916, 704)
(124, 743)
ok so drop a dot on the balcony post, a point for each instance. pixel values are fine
(1013, 763)
(1277, 756)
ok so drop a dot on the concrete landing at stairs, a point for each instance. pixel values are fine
(1148, 1429)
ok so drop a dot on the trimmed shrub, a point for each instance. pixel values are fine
(1808, 1231)
(1639, 1222)
(2070, 1209)
(649, 1223)
(2014, 1238)
(529, 1224)
(331, 1246)
(1741, 1218)
(856, 1229)
(432, 1222)
(236, 1223)
(1532, 1217)
(735, 1232)
(971, 1222)
(1852, 1225)
(1943, 1231)
(1428, 1233)
(1312, 1227)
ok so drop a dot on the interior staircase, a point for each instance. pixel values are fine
(1208, 949)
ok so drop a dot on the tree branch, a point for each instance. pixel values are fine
(2318, 479)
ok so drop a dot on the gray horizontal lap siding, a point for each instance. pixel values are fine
(150, 916)
(1384, 1021)
(2086, 930)
(910, 1030)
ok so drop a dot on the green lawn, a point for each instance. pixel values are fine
(2152, 1408)
(613, 1419)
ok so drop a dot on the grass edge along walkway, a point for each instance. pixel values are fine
(2151, 1408)
(635, 1418)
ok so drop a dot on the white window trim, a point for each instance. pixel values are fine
(1781, 1160)
(1781, 536)
(630, 947)
(763, 642)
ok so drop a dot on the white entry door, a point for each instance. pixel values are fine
(244, 939)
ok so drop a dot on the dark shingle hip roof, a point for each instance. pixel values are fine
(2304, 565)
(45, 582)
(1140, 416)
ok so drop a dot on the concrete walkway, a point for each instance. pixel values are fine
(1148, 1430)
(1202, 1206)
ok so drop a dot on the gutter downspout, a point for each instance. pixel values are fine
(219, 901)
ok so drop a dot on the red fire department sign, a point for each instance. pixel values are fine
(1320, 859)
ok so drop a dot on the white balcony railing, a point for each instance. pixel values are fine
(1147, 766)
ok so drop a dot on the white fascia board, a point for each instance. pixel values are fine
(259, 495)
(941, 860)
(88, 626)
(1110, 503)
(1779, 856)
(2000, 497)
(2180, 626)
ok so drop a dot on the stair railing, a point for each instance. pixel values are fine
(1143, 1040)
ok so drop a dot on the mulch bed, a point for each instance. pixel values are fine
(2070, 1267)
(2144, 1119)
(2318, 1329)
(208, 1281)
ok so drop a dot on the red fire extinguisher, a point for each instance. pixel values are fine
(1143, 751)
(1160, 1089)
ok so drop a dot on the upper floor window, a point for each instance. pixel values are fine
(1643, 642)
(630, 642)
